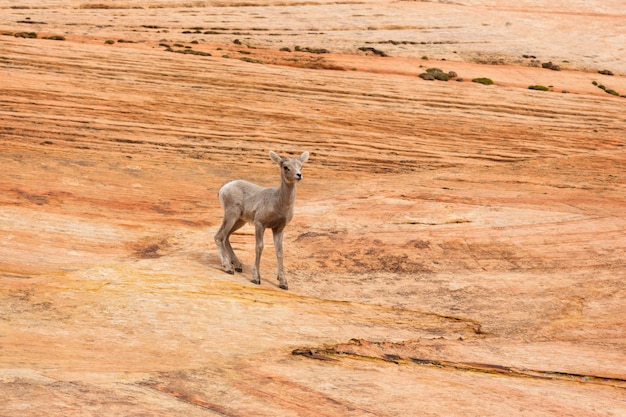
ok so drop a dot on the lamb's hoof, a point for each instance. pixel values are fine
(230, 272)
(256, 281)
(283, 286)
(239, 269)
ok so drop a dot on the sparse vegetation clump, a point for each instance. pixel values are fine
(251, 60)
(187, 50)
(192, 52)
(31, 22)
(373, 50)
(54, 38)
(437, 74)
(606, 90)
(550, 65)
(483, 80)
(312, 50)
(29, 35)
(538, 87)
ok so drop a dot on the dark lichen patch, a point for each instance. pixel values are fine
(149, 252)
(149, 248)
(38, 199)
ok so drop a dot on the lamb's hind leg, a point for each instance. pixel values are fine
(233, 258)
(223, 244)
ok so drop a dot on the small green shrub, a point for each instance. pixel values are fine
(483, 80)
(438, 74)
(109, 42)
(426, 76)
(538, 87)
(54, 38)
(612, 92)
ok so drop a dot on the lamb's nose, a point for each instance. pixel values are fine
(298, 176)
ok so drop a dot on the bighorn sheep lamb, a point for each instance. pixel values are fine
(264, 208)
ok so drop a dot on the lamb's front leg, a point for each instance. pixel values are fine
(278, 246)
(259, 230)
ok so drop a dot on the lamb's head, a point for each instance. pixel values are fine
(290, 168)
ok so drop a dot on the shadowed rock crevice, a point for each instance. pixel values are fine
(389, 352)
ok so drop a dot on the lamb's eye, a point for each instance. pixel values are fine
(286, 168)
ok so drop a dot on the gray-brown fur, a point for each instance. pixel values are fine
(265, 208)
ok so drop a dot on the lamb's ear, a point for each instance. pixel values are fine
(304, 156)
(276, 158)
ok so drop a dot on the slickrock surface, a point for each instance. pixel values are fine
(458, 249)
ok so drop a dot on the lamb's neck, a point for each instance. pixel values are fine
(287, 194)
